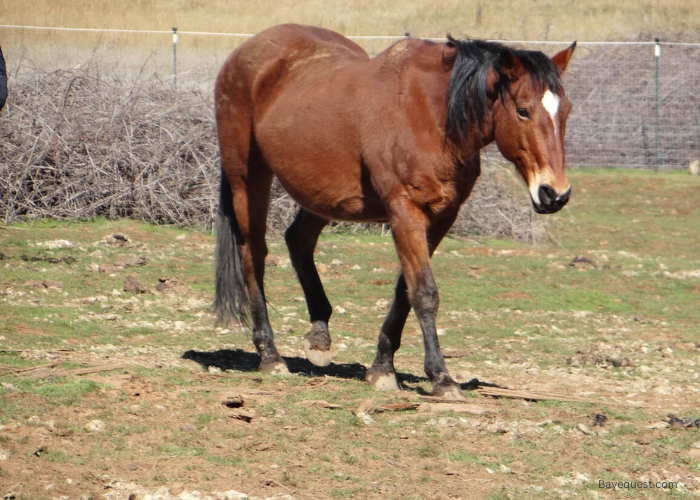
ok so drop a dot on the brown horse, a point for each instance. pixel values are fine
(391, 139)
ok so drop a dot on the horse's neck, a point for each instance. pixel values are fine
(424, 80)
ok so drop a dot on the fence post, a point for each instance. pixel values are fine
(174, 56)
(657, 56)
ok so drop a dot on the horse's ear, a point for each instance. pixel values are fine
(449, 53)
(511, 66)
(561, 59)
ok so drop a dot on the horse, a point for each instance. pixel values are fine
(3, 81)
(392, 139)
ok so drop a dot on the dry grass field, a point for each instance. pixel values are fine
(133, 54)
(512, 19)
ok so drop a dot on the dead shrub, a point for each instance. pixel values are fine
(76, 145)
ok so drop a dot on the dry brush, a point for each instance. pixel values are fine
(76, 145)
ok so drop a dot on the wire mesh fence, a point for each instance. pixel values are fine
(631, 108)
(634, 109)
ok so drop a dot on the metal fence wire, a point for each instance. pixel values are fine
(636, 104)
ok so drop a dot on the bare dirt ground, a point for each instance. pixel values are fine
(303, 437)
(116, 384)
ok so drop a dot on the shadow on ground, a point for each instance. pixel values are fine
(246, 361)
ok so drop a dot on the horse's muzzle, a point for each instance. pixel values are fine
(550, 202)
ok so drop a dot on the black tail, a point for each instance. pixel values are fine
(232, 300)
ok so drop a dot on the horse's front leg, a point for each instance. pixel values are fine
(409, 229)
(381, 374)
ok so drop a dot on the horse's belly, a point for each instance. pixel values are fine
(333, 194)
(317, 162)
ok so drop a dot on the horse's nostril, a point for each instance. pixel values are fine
(564, 197)
(547, 195)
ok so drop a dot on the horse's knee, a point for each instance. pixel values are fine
(426, 299)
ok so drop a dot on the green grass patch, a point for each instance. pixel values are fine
(512, 315)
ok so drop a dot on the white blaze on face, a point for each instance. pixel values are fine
(534, 188)
(550, 102)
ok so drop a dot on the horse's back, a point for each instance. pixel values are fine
(275, 55)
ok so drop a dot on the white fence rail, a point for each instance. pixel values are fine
(633, 106)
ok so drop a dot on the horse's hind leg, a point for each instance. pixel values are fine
(301, 238)
(381, 374)
(251, 195)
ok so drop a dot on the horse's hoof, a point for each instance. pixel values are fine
(318, 357)
(449, 391)
(317, 344)
(275, 367)
(382, 381)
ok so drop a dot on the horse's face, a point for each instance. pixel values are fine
(529, 127)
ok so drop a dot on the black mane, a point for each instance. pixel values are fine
(466, 92)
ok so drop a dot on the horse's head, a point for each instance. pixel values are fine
(529, 121)
(516, 98)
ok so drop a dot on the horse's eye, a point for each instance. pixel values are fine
(523, 113)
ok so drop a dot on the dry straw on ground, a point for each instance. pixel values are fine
(77, 145)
